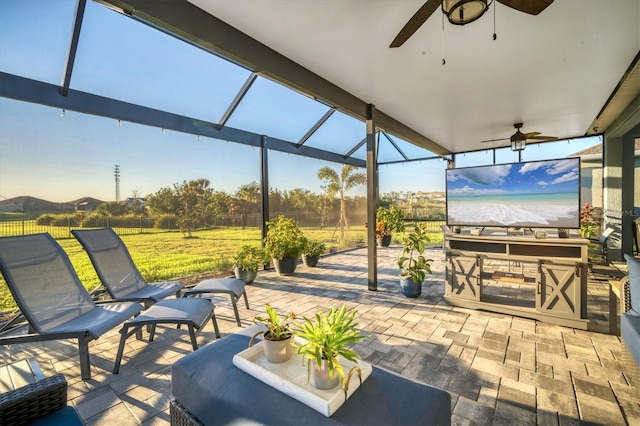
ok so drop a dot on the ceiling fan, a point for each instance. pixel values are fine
(462, 12)
(519, 139)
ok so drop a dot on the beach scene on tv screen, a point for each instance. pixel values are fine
(533, 194)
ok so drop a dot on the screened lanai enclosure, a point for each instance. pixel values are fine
(97, 103)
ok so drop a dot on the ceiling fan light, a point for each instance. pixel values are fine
(461, 12)
(518, 144)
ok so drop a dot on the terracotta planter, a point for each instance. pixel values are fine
(286, 266)
(410, 288)
(320, 376)
(310, 261)
(247, 276)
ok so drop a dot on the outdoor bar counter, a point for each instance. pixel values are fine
(208, 388)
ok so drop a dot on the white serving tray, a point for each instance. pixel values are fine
(291, 378)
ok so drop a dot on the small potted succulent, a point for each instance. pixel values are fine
(278, 339)
(312, 251)
(284, 242)
(247, 261)
(327, 337)
(412, 263)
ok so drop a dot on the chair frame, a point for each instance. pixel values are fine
(35, 335)
(148, 300)
(200, 290)
(602, 250)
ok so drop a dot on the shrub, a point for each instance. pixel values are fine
(45, 219)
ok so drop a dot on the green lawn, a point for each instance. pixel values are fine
(169, 255)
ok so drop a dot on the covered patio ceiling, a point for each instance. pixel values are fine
(556, 72)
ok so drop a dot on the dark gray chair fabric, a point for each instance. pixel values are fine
(193, 312)
(231, 286)
(599, 249)
(50, 295)
(116, 269)
(214, 391)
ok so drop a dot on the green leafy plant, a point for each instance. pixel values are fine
(278, 328)
(249, 258)
(412, 263)
(587, 225)
(329, 336)
(284, 238)
(313, 248)
(389, 220)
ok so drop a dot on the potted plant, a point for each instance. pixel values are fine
(284, 243)
(247, 261)
(312, 251)
(388, 221)
(412, 263)
(327, 338)
(278, 339)
(588, 226)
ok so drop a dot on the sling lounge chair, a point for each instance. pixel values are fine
(599, 249)
(116, 269)
(49, 293)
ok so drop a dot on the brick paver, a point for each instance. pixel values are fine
(499, 369)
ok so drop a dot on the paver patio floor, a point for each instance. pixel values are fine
(499, 369)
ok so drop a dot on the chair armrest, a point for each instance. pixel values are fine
(34, 400)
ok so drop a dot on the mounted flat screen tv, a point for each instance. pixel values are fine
(536, 194)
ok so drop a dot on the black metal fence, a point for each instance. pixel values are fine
(61, 227)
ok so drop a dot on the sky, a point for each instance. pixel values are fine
(538, 177)
(61, 157)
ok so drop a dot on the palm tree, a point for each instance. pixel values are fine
(349, 178)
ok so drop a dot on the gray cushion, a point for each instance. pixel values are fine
(215, 391)
(155, 291)
(99, 320)
(630, 333)
(634, 283)
(218, 285)
(176, 310)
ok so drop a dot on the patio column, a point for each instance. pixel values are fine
(620, 192)
(264, 187)
(372, 200)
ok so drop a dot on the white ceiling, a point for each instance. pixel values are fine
(554, 72)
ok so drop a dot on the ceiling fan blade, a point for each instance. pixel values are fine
(531, 134)
(416, 21)
(495, 140)
(542, 138)
(532, 7)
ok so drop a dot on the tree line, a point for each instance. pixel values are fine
(195, 204)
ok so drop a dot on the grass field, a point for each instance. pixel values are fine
(169, 255)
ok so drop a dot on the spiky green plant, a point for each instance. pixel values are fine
(327, 337)
(277, 328)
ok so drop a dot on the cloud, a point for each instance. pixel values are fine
(467, 190)
(542, 183)
(552, 168)
(529, 167)
(486, 176)
(561, 166)
(567, 177)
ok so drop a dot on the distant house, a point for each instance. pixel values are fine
(591, 177)
(86, 204)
